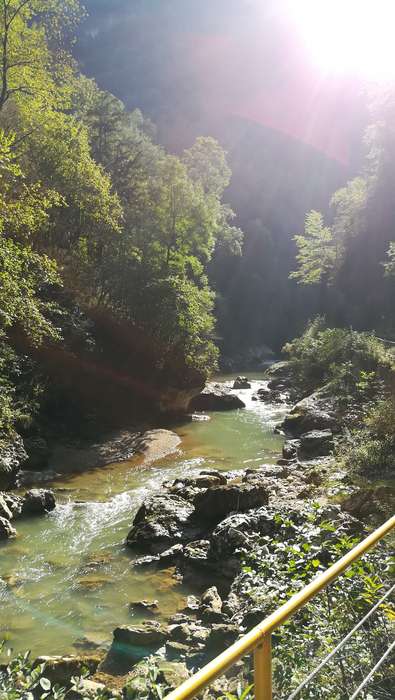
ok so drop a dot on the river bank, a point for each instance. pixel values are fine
(185, 585)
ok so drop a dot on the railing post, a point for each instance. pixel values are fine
(263, 669)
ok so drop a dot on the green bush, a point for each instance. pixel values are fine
(372, 449)
(354, 362)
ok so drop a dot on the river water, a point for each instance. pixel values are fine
(68, 576)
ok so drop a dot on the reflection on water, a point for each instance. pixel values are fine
(68, 575)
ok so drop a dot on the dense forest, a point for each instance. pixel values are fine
(173, 209)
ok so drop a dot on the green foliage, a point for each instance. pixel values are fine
(354, 362)
(317, 251)
(21, 679)
(304, 546)
(371, 451)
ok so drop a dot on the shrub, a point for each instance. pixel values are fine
(354, 362)
(372, 449)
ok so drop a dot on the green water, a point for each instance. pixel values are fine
(68, 575)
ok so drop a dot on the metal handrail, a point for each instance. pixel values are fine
(258, 640)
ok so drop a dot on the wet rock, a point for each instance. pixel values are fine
(32, 478)
(217, 502)
(146, 607)
(315, 443)
(241, 383)
(12, 457)
(6, 529)
(38, 502)
(279, 375)
(38, 453)
(91, 642)
(60, 669)
(14, 504)
(131, 644)
(216, 398)
(5, 512)
(160, 520)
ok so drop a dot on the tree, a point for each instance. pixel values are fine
(317, 251)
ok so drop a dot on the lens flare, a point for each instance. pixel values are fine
(348, 36)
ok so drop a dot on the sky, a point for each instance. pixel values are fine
(194, 64)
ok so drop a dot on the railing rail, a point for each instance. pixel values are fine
(258, 640)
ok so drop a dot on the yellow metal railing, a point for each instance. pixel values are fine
(258, 640)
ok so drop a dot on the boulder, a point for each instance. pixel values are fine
(279, 375)
(235, 530)
(315, 443)
(131, 644)
(241, 383)
(215, 503)
(315, 412)
(12, 456)
(38, 502)
(6, 529)
(14, 504)
(160, 521)
(221, 637)
(215, 398)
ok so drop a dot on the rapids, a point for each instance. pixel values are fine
(68, 576)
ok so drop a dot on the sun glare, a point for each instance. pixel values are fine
(349, 36)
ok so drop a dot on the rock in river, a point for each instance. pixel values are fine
(6, 529)
(215, 398)
(241, 383)
(161, 520)
(38, 501)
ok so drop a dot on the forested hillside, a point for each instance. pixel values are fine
(105, 237)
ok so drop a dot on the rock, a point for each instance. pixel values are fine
(315, 412)
(290, 449)
(366, 502)
(38, 502)
(210, 607)
(192, 604)
(191, 633)
(168, 673)
(279, 375)
(131, 644)
(176, 650)
(87, 689)
(38, 453)
(60, 669)
(161, 520)
(215, 503)
(12, 456)
(147, 607)
(5, 512)
(221, 637)
(215, 398)
(6, 529)
(196, 552)
(14, 504)
(315, 443)
(234, 531)
(241, 383)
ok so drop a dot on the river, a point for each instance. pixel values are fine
(68, 576)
